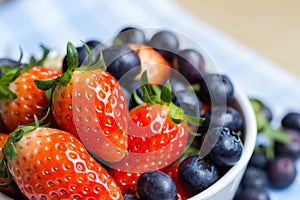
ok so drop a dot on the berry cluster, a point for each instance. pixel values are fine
(137, 119)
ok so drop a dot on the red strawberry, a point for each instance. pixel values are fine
(91, 105)
(29, 99)
(158, 132)
(127, 181)
(48, 163)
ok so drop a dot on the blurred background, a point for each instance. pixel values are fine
(271, 27)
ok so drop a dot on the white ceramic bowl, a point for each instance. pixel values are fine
(226, 187)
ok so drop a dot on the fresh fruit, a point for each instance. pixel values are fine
(255, 177)
(94, 46)
(127, 181)
(131, 35)
(224, 146)
(281, 172)
(91, 105)
(6, 64)
(253, 193)
(153, 185)
(122, 61)
(166, 43)
(27, 99)
(157, 67)
(291, 120)
(48, 163)
(291, 148)
(190, 63)
(196, 174)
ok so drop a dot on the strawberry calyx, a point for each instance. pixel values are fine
(10, 73)
(152, 94)
(9, 151)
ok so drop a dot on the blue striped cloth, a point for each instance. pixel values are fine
(29, 23)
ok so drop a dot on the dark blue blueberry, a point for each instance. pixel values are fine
(132, 35)
(122, 60)
(226, 146)
(189, 102)
(190, 64)
(196, 174)
(129, 88)
(291, 148)
(281, 172)
(222, 116)
(153, 185)
(130, 197)
(291, 120)
(255, 177)
(166, 43)
(258, 159)
(216, 89)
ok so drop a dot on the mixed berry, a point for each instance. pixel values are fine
(273, 163)
(140, 118)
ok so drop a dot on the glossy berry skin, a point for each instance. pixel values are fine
(92, 107)
(127, 181)
(60, 168)
(132, 35)
(216, 89)
(291, 148)
(154, 140)
(226, 146)
(30, 100)
(166, 43)
(258, 160)
(120, 59)
(291, 120)
(196, 174)
(222, 116)
(95, 47)
(130, 197)
(281, 172)
(189, 102)
(190, 63)
(153, 185)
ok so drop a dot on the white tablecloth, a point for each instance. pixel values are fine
(28, 23)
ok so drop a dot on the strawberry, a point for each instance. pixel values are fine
(48, 163)
(158, 131)
(157, 67)
(25, 99)
(127, 181)
(89, 103)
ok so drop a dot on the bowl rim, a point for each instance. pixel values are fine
(250, 131)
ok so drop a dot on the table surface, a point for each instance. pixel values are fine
(271, 27)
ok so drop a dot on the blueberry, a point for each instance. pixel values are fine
(130, 87)
(258, 159)
(153, 185)
(255, 177)
(291, 120)
(121, 59)
(95, 48)
(263, 113)
(291, 148)
(132, 35)
(178, 83)
(166, 43)
(224, 146)
(190, 64)
(220, 116)
(216, 89)
(130, 197)
(196, 174)
(253, 193)
(281, 172)
(189, 102)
